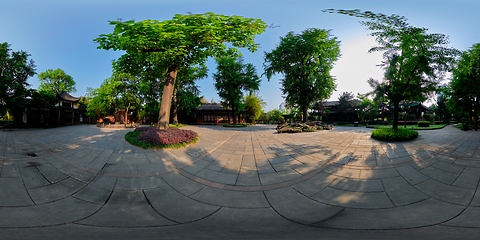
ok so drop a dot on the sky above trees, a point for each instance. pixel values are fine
(59, 34)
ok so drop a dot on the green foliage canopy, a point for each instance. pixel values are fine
(305, 60)
(56, 81)
(118, 91)
(465, 87)
(184, 40)
(415, 60)
(15, 69)
(254, 105)
(345, 104)
(232, 78)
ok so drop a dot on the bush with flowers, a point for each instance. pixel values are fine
(152, 137)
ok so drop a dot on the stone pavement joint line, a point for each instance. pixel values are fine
(337, 179)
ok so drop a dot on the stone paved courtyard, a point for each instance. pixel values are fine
(239, 183)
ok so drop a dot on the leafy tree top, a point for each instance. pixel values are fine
(15, 69)
(186, 38)
(56, 81)
(232, 78)
(414, 59)
(305, 60)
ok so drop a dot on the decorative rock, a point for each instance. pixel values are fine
(299, 127)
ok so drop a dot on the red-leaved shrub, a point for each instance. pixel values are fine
(169, 136)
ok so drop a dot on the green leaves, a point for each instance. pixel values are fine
(414, 59)
(177, 37)
(305, 60)
(232, 78)
(15, 69)
(464, 87)
(56, 81)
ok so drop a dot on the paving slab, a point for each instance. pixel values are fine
(10, 169)
(424, 213)
(353, 199)
(447, 193)
(439, 175)
(278, 177)
(63, 211)
(469, 178)
(32, 177)
(226, 198)
(248, 176)
(51, 173)
(126, 209)
(358, 185)
(378, 173)
(314, 184)
(401, 192)
(219, 177)
(98, 190)
(411, 175)
(13, 193)
(470, 218)
(299, 208)
(55, 191)
(178, 207)
(182, 184)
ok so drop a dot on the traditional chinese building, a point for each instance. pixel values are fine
(67, 109)
(215, 113)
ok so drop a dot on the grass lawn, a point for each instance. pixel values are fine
(413, 127)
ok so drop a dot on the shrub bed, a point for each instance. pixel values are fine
(231, 125)
(152, 137)
(423, 124)
(388, 134)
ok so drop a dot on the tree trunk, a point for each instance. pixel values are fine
(126, 113)
(396, 109)
(174, 105)
(164, 113)
(475, 113)
(305, 117)
(234, 116)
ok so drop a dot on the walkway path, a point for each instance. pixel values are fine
(238, 181)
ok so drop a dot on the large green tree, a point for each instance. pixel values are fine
(15, 69)
(465, 87)
(254, 106)
(184, 40)
(305, 60)
(345, 104)
(233, 77)
(118, 91)
(56, 81)
(414, 60)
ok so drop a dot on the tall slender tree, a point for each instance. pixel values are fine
(305, 60)
(465, 87)
(414, 60)
(233, 77)
(15, 69)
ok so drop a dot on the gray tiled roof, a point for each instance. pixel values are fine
(212, 106)
(67, 97)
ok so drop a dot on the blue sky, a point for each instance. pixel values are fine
(59, 34)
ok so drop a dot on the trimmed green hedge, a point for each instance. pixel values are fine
(238, 125)
(423, 124)
(388, 134)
